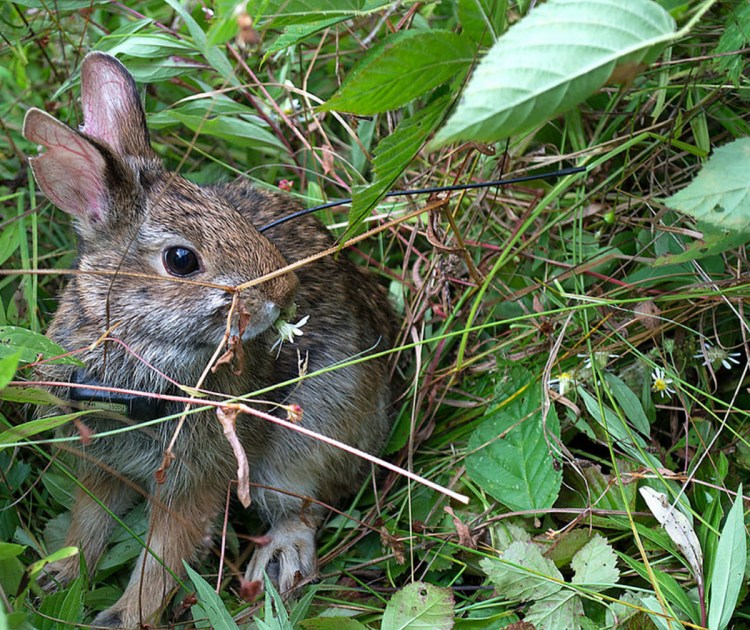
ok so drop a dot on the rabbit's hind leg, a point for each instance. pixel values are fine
(289, 556)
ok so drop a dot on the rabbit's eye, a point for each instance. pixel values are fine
(180, 261)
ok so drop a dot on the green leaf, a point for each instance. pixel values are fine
(29, 395)
(209, 603)
(595, 565)
(714, 242)
(630, 442)
(31, 346)
(629, 403)
(735, 37)
(419, 606)
(35, 427)
(560, 610)
(510, 451)
(521, 573)
(276, 13)
(482, 20)
(675, 594)
(10, 550)
(407, 65)
(720, 193)
(553, 59)
(296, 33)
(146, 46)
(239, 131)
(332, 623)
(394, 153)
(8, 367)
(728, 567)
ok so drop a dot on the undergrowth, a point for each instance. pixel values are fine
(573, 350)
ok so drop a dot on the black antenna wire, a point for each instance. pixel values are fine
(436, 189)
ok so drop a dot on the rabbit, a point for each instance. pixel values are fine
(134, 219)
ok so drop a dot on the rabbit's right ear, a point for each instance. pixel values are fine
(112, 110)
(72, 172)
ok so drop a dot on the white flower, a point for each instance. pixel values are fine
(562, 383)
(718, 355)
(288, 331)
(661, 383)
(600, 359)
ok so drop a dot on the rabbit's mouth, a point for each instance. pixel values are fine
(256, 322)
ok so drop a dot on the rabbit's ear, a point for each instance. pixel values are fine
(112, 110)
(72, 172)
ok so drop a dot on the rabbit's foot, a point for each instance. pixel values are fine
(109, 618)
(59, 574)
(288, 558)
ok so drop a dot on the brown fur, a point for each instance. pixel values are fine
(128, 209)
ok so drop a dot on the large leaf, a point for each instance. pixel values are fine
(550, 61)
(407, 65)
(522, 572)
(563, 609)
(720, 193)
(510, 451)
(595, 565)
(276, 13)
(728, 567)
(419, 606)
(393, 155)
(31, 346)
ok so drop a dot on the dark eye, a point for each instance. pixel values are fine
(180, 261)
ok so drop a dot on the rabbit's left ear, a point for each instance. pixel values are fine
(112, 109)
(72, 172)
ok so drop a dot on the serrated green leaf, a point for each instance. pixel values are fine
(296, 33)
(561, 610)
(31, 346)
(728, 567)
(394, 153)
(553, 59)
(419, 606)
(510, 453)
(482, 20)
(209, 603)
(595, 565)
(720, 193)
(406, 66)
(521, 572)
(735, 37)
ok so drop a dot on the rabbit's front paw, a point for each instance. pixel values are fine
(288, 558)
(57, 575)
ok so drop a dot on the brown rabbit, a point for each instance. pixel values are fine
(134, 217)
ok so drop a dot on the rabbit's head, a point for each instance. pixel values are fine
(134, 219)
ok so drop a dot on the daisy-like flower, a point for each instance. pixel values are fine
(288, 331)
(661, 383)
(562, 383)
(600, 359)
(718, 355)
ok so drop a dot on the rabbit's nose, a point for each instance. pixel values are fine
(282, 290)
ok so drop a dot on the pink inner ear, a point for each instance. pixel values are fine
(104, 106)
(72, 172)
